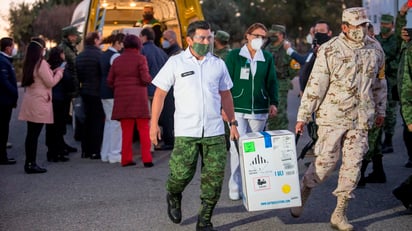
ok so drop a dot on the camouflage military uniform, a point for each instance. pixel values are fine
(345, 108)
(405, 95)
(70, 53)
(284, 74)
(390, 46)
(222, 53)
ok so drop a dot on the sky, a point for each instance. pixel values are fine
(4, 11)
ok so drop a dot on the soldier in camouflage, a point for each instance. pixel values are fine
(199, 128)
(404, 191)
(340, 92)
(405, 83)
(221, 45)
(284, 73)
(390, 43)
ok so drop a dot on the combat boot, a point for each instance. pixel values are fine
(404, 193)
(338, 219)
(378, 174)
(204, 217)
(304, 194)
(362, 181)
(174, 203)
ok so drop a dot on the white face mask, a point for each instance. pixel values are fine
(256, 43)
(14, 52)
(357, 35)
(44, 52)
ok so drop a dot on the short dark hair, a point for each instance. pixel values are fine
(191, 29)
(113, 38)
(132, 41)
(149, 33)
(5, 42)
(55, 59)
(323, 22)
(90, 37)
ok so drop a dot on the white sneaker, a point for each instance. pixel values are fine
(116, 159)
(234, 195)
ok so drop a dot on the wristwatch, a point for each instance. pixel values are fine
(233, 123)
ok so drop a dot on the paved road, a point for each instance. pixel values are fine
(87, 194)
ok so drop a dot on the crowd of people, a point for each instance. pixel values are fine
(197, 103)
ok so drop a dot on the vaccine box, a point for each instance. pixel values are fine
(270, 177)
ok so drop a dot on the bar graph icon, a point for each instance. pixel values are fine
(258, 163)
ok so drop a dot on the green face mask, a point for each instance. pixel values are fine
(385, 30)
(200, 49)
(274, 38)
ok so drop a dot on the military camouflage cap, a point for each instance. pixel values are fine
(70, 30)
(222, 36)
(355, 16)
(280, 28)
(386, 18)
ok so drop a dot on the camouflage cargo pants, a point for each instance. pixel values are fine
(374, 143)
(183, 162)
(353, 144)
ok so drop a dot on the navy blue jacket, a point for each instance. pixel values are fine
(156, 58)
(89, 71)
(106, 92)
(8, 83)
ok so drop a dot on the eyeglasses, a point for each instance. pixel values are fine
(258, 36)
(203, 38)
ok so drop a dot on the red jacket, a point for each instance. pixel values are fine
(129, 77)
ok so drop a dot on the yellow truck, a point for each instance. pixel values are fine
(107, 16)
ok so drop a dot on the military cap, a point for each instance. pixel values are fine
(70, 30)
(222, 36)
(280, 28)
(355, 16)
(386, 18)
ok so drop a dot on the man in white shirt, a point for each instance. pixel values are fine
(201, 88)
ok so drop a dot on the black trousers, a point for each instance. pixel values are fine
(5, 115)
(32, 138)
(166, 119)
(55, 132)
(93, 126)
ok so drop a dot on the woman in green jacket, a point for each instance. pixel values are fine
(255, 93)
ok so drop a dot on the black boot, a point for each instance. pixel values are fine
(204, 217)
(362, 181)
(174, 210)
(387, 146)
(403, 193)
(377, 175)
(32, 168)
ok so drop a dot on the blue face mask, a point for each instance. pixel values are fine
(165, 44)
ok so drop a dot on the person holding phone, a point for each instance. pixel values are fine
(36, 107)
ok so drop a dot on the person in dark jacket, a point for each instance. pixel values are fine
(55, 131)
(8, 95)
(169, 43)
(112, 134)
(89, 75)
(156, 58)
(129, 77)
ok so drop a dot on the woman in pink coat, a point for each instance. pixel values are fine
(129, 77)
(36, 108)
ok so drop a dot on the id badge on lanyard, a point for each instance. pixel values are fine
(245, 71)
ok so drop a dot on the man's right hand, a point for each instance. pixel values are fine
(299, 127)
(155, 134)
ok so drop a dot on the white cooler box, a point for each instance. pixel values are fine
(270, 177)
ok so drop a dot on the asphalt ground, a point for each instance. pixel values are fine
(86, 194)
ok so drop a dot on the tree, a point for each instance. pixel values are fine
(51, 20)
